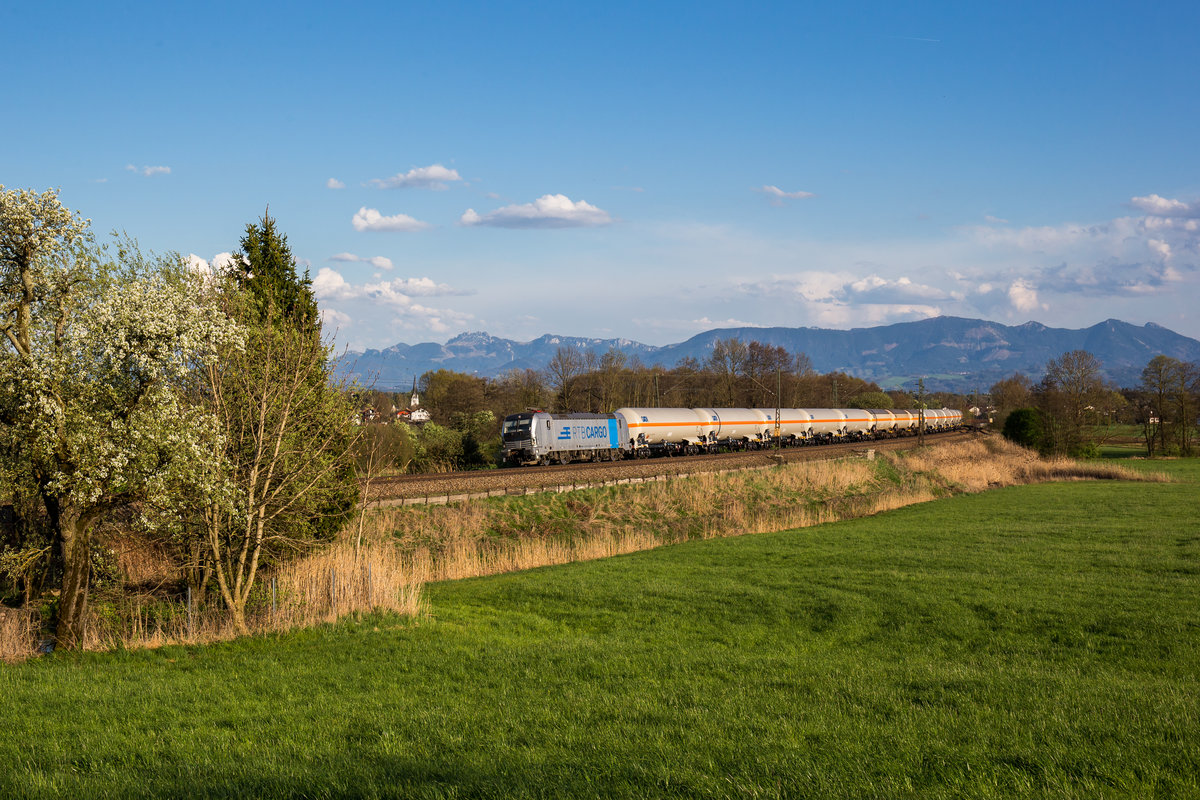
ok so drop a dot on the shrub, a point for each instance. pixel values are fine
(1024, 427)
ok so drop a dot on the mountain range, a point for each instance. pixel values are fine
(951, 353)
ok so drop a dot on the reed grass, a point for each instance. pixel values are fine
(320, 587)
(18, 628)
(497, 535)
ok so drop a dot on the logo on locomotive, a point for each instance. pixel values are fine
(588, 433)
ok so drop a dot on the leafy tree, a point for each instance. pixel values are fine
(95, 356)
(871, 400)
(446, 393)
(1066, 397)
(1160, 382)
(516, 390)
(1024, 427)
(287, 438)
(726, 362)
(1011, 393)
(564, 373)
(1186, 402)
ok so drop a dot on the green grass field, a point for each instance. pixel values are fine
(1032, 641)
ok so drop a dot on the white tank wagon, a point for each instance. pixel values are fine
(886, 422)
(671, 430)
(737, 427)
(954, 418)
(906, 420)
(828, 424)
(860, 423)
(795, 424)
(535, 437)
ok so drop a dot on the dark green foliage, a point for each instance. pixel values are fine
(871, 400)
(266, 269)
(1024, 427)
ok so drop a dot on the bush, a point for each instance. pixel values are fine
(1024, 427)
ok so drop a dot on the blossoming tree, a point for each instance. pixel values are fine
(94, 353)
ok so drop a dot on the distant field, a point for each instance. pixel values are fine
(1039, 640)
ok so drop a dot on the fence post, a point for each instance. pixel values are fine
(333, 589)
(272, 595)
(189, 604)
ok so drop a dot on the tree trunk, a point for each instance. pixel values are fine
(74, 535)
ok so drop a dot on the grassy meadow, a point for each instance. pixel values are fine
(1028, 641)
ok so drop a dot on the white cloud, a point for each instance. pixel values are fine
(1164, 207)
(369, 219)
(199, 266)
(223, 261)
(332, 318)
(1023, 295)
(875, 289)
(330, 285)
(704, 323)
(426, 287)
(334, 183)
(995, 220)
(220, 263)
(777, 195)
(379, 262)
(548, 211)
(148, 172)
(434, 177)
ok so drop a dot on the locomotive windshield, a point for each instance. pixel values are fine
(517, 423)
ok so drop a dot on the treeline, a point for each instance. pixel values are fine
(467, 409)
(1073, 409)
(140, 398)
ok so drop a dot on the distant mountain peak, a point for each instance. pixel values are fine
(953, 353)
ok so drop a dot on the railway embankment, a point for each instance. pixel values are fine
(437, 488)
(518, 530)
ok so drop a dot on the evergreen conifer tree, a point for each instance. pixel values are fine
(266, 270)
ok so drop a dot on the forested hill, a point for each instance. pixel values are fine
(952, 353)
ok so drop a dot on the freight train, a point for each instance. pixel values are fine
(536, 437)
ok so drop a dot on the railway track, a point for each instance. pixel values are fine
(517, 480)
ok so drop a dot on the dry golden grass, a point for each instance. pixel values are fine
(480, 538)
(990, 462)
(17, 631)
(320, 587)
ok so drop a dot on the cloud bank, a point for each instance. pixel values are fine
(330, 287)
(379, 262)
(148, 172)
(369, 219)
(777, 195)
(548, 211)
(435, 177)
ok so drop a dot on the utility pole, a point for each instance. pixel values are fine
(778, 410)
(920, 411)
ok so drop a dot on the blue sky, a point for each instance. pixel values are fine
(638, 170)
